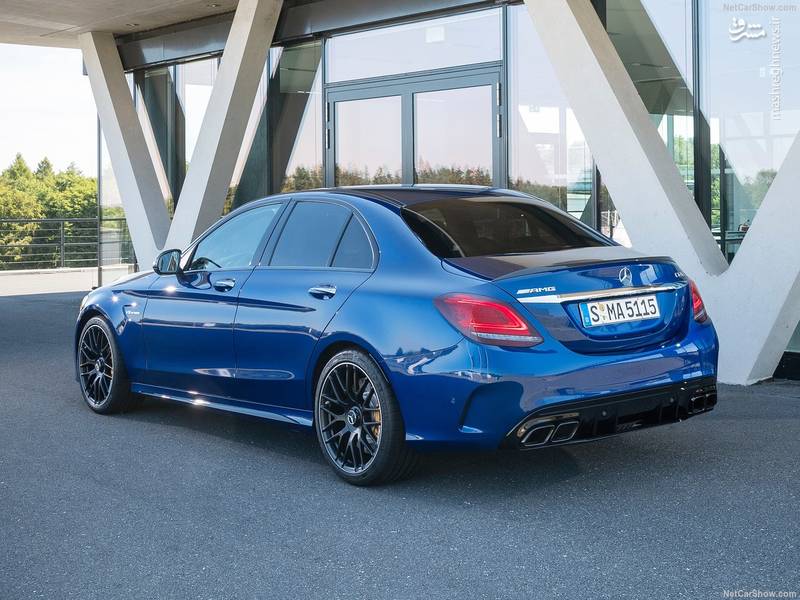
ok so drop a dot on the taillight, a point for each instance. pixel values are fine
(487, 321)
(698, 308)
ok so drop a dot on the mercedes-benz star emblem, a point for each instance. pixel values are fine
(625, 276)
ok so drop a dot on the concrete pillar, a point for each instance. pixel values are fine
(756, 303)
(139, 187)
(212, 164)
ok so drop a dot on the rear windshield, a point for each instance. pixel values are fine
(461, 227)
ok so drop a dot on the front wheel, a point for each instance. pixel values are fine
(101, 371)
(358, 422)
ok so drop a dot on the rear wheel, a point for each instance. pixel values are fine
(101, 371)
(358, 422)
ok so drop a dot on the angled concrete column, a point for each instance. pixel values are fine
(636, 166)
(139, 187)
(203, 193)
(755, 303)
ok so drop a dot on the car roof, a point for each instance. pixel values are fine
(407, 195)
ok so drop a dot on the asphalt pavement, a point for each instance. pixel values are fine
(173, 501)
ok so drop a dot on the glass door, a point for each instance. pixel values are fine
(444, 128)
(368, 144)
(453, 136)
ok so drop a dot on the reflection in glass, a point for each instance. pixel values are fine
(249, 180)
(548, 155)
(653, 39)
(295, 107)
(609, 221)
(171, 102)
(794, 343)
(196, 80)
(156, 97)
(751, 99)
(433, 44)
(453, 136)
(368, 141)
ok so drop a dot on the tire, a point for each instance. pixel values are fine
(358, 422)
(101, 370)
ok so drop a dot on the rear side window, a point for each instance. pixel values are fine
(354, 251)
(459, 227)
(310, 235)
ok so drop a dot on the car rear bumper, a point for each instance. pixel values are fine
(585, 420)
(476, 396)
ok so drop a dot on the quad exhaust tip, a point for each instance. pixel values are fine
(565, 431)
(548, 430)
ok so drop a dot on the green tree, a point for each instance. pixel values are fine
(18, 171)
(45, 193)
(44, 170)
(15, 238)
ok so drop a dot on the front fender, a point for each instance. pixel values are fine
(122, 305)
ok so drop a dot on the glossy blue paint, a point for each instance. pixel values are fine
(255, 348)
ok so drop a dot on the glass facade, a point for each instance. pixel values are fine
(462, 39)
(368, 146)
(172, 101)
(548, 155)
(653, 39)
(295, 117)
(444, 150)
(471, 97)
(249, 180)
(750, 97)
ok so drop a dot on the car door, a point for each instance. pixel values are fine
(323, 253)
(188, 320)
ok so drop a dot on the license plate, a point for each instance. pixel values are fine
(608, 312)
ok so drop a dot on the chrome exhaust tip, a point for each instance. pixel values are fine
(565, 431)
(538, 436)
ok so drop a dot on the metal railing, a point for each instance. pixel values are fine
(64, 243)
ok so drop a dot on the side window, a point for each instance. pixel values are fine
(310, 235)
(354, 251)
(233, 244)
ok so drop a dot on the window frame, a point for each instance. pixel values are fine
(269, 249)
(188, 254)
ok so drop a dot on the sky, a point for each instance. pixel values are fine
(46, 108)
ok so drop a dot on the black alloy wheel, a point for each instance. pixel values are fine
(358, 421)
(350, 417)
(96, 364)
(101, 371)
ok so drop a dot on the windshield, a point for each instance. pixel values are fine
(462, 227)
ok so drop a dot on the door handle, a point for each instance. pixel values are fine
(323, 291)
(224, 285)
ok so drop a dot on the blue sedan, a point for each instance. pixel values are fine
(402, 318)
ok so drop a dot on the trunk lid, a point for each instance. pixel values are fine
(552, 286)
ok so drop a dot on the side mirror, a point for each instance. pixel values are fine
(168, 263)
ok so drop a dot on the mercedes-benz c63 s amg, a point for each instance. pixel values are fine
(397, 319)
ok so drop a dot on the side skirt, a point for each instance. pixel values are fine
(264, 411)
